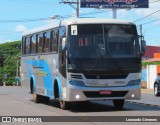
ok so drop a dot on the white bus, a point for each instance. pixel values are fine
(83, 60)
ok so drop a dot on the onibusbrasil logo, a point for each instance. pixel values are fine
(114, 1)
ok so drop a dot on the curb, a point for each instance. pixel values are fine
(149, 91)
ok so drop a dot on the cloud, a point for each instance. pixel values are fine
(20, 28)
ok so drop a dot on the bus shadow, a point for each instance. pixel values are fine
(87, 106)
(104, 106)
(84, 107)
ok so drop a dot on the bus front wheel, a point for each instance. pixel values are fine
(118, 104)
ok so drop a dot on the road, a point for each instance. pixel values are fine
(16, 101)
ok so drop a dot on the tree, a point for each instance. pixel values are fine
(9, 53)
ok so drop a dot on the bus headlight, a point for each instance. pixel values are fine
(134, 82)
(77, 83)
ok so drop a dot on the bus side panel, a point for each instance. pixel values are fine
(44, 71)
(25, 72)
(63, 86)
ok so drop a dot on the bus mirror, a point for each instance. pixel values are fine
(63, 43)
(143, 47)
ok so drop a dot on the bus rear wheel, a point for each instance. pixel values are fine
(118, 104)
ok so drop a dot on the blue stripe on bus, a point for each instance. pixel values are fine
(48, 84)
(29, 71)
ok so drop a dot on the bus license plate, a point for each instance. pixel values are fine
(105, 92)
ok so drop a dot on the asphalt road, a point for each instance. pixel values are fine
(16, 101)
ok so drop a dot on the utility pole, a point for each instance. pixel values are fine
(71, 4)
(114, 13)
(141, 32)
(77, 10)
(141, 29)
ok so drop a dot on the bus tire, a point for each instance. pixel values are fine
(64, 104)
(118, 104)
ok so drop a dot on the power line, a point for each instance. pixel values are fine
(71, 4)
(23, 20)
(47, 18)
(151, 21)
(146, 16)
(90, 13)
(34, 2)
(66, 16)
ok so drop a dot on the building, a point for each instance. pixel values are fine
(150, 71)
(150, 50)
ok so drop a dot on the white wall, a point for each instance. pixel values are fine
(151, 75)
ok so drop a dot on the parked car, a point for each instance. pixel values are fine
(157, 86)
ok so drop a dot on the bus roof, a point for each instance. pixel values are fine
(75, 21)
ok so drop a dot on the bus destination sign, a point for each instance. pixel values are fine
(115, 4)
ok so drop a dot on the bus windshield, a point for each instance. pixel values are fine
(93, 44)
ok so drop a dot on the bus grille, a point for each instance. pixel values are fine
(96, 94)
(76, 77)
(105, 76)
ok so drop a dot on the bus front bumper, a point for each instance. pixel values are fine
(74, 93)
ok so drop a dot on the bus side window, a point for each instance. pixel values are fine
(46, 39)
(37, 43)
(27, 41)
(33, 44)
(54, 40)
(40, 43)
(51, 41)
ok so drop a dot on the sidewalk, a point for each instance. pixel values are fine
(150, 91)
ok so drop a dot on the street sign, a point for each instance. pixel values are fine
(114, 4)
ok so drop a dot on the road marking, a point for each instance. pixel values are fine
(152, 105)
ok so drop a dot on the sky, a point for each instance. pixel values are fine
(14, 12)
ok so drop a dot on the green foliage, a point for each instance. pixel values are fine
(150, 63)
(9, 52)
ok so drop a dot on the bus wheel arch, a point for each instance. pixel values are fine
(31, 85)
(36, 97)
(56, 89)
(57, 94)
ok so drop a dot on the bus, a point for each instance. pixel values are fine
(81, 60)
